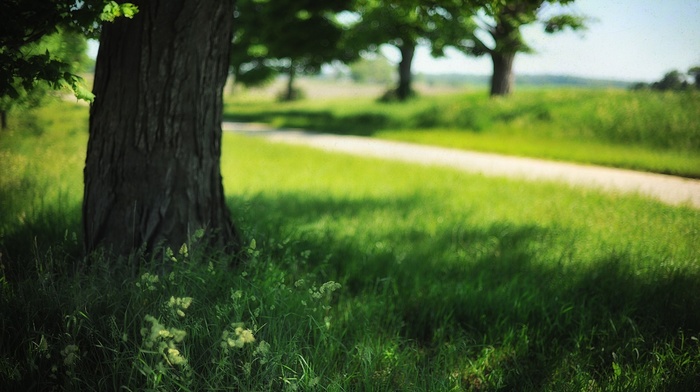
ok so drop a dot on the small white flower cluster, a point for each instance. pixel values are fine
(325, 288)
(179, 305)
(148, 282)
(317, 294)
(163, 340)
(236, 338)
(70, 353)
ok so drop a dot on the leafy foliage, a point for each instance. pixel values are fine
(112, 10)
(55, 59)
(284, 36)
(559, 23)
(22, 68)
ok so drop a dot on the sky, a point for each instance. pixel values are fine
(630, 40)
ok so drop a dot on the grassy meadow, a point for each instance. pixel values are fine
(640, 130)
(362, 275)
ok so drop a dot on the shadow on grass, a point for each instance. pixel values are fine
(475, 117)
(473, 299)
(498, 285)
(361, 124)
(36, 237)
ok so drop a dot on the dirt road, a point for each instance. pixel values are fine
(669, 189)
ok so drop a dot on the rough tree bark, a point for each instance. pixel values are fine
(152, 173)
(503, 79)
(404, 89)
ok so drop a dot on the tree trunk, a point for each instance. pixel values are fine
(289, 95)
(405, 90)
(152, 173)
(503, 79)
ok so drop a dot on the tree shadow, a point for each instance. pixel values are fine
(480, 285)
(476, 117)
(493, 285)
(49, 233)
(363, 124)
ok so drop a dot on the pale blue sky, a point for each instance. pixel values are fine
(635, 40)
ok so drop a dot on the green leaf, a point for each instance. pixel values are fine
(112, 11)
(83, 93)
(559, 23)
(617, 370)
(77, 84)
(129, 10)
(12, 92)
(183, 250)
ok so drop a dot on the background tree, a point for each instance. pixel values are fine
(502, 20)
(694, 73)
(298, 38)
(249, 54)
(671, 81)
(404, 24)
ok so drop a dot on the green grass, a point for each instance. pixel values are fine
(42, 155)
(448, 281)
(644, 130)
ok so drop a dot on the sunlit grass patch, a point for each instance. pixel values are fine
(595, 153)
(41, 188)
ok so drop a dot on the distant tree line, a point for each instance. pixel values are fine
(674, 81)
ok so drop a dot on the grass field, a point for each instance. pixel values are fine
(642, 130)
(362, 275)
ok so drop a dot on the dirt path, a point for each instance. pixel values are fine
(669, 189)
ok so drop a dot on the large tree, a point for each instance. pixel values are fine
(502, 21)
(152, 175)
